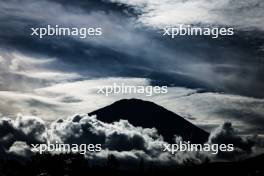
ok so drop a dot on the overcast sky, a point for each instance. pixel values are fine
(210, 80)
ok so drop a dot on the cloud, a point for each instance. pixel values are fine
(25, 73)
(23, 128)
(205, 109)
(243, 14)
(21, 75)
(226, 134)
(216, 108)
(128, 49)
(20, 149)
(129, 144)
(118, 31)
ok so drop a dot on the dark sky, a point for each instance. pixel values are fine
(211, 80)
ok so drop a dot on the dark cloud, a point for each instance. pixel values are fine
(28, 129)
(227, 64)
(128, 143)
(251, 118)
(225, 134)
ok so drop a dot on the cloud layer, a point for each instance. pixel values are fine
(243, 14)
(134, 143)
(127, 48)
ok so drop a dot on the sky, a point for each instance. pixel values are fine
(211, 81)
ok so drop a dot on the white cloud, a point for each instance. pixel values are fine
(117, 30)
(128, 143)
(20, 75)
(20, 148)
(204, 109)
(239, 13)
(21, 72)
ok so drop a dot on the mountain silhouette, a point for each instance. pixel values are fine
(148, 115)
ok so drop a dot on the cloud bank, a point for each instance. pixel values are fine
(129, 144)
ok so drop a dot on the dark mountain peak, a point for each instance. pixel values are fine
(148, 115)
(134, 101)
(128, 104)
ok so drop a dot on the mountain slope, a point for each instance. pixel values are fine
(147, 114)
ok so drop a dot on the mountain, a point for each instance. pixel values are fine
(147, 115)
